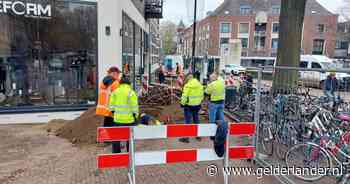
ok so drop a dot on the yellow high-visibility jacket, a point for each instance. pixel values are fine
(193, 93)
(216, 90)
(124, 103)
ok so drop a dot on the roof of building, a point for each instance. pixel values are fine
(232, 7)
(181, 24)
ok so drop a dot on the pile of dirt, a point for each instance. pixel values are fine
(53, 125)
(175, 114)
(81, 131)
(172, 114)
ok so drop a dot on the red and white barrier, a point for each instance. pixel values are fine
(133, 159)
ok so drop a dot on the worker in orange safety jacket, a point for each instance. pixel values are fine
(107, 86)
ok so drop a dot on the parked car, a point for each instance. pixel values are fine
(234, 69)
(317, 78)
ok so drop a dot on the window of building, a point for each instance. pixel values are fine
(344, 45)
(244, 54)
(303, 64)
(321, 28)
(318, 46)
(225, 27)
(275, 27)
(259, 42)
(224, 41)
(338, 44)
(244, 28)
(276, 9)
(133, 50)
(49, 62)
(245, 9)
(342, 28)
(260, 28)
(244, 42)
(315, 65)
(341, 44)
(274, 43)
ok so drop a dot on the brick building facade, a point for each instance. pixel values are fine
(342, 48)
(256, 23)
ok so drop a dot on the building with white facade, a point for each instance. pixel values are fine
(52, 59)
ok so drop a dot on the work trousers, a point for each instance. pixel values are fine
(192, 114)
(216, 112)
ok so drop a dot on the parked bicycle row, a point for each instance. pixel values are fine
(299, 129)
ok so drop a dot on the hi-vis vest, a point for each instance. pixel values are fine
(216, 90)
(104, 93)
(193, 93)
(124, 103)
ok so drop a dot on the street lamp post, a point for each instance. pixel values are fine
(194, 36)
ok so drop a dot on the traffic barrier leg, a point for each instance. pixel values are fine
(226, 159)
(132, 170)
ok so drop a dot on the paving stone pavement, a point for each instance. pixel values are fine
(29, 156)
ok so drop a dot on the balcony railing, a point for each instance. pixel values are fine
(154, 9)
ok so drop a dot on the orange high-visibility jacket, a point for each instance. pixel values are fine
(104, 93)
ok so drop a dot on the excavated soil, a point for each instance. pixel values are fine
(82, 131)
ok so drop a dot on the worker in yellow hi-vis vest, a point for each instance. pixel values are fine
(191, 99)
(124, 105)
(216, 91)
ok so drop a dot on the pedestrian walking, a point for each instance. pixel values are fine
(216, 91)
(109, 84)
(191, 99)
(177, 69)
(124, 104)
(330, 87)
(161, 74)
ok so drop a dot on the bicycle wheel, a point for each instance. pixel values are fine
(307, 156)
(281, 147)
(266, 139)
(266, 133)
(286, 138)
(281, 142)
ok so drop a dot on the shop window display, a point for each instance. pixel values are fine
(49, 61)
(133, 50)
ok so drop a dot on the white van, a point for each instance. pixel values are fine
(315, 78)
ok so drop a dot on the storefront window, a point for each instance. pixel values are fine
(128, 46)
(133, 50)
(49, 60)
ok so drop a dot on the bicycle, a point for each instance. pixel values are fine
(328, 145)
(280, 128)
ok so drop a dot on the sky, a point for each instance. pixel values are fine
(176, 10)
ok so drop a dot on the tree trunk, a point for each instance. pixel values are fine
(289, 44)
